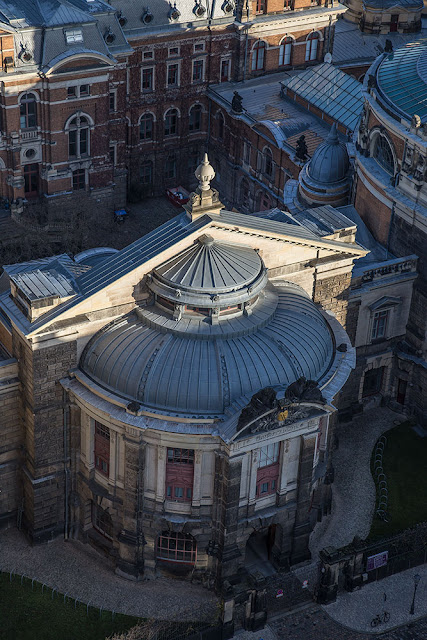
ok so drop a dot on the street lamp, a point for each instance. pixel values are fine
(417, 578)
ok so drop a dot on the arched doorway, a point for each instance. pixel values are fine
(259, 550)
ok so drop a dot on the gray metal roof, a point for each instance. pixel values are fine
(352, 46)
(188, 370)
(336, 93)
(211, 267)
(330, 161)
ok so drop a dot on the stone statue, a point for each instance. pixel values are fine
(236, 103)
(301, 151)
(303, 390)
(259, 404)
(388, 46)
(416, 121)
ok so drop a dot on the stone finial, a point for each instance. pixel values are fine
(205, 174)
(204, 199)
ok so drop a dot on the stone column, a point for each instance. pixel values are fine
(130, 563)
(252, 481)
(232, 558)
(113, 457)
(197, 479)
(161, 473)
(302, 527)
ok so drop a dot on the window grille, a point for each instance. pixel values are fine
(177, 547)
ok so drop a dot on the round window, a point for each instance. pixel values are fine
(175, 14)
(30, 153)
(109, 38)
(27, 56)
(200, 11)
(122, 20)
(147, 18)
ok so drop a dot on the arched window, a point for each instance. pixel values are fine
(244, 193)
(220, 126)
(28, 111)
(268, 163)
(311, 46)
(177, 547)
(78, 137)
(285, 53)
(383, 154)
(195, 121)
(171, 122)
(258, 55)
(146, 173)
(146, 127)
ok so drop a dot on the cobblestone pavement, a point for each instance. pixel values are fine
(314, 624)
(79, 571)
(357, 609)
(353, 490)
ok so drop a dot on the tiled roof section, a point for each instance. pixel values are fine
(351, 46)
(334, 92)
(402, 79)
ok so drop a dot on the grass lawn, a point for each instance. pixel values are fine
(404, 464)
(29, 614)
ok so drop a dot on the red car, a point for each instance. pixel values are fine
(178, 195)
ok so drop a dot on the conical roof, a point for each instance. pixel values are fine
(211, 267)
(330, 161)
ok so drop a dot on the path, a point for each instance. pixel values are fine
(78, 570)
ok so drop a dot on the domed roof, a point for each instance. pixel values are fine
(195, 369)
(210, 274)
(211, 267)
(330, 161)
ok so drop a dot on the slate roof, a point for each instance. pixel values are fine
(352, 47)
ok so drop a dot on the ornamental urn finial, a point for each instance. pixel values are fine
(205, 174)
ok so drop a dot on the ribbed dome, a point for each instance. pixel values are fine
(330, 161)
(192, 368)
(211, 267)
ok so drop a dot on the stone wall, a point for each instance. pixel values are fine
(10, 442)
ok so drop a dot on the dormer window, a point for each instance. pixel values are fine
(72, 36)
(109, 37)
(147, 16)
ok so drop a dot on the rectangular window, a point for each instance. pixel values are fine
(79, 179)
(145, 173)
(112, 153)
(173, 51)
(147, 79)
(148, 55)
(260, 6)
(198, 66)
(372, 381)
(199, 46)
(170, 168)
(173, 75)
(102, 448)
(73, 35)
(31, 180)
(225, 70)
(72, 92)
(72, 143)
(83, 141)
(179, 474)
(112, 101)
(84, 90)
(102, 521)
(379, 325)
(247, 153)
(268, 470)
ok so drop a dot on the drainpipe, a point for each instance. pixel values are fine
(389, 230)
(66, 410)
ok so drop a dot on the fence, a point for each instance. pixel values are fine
(145, 630)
